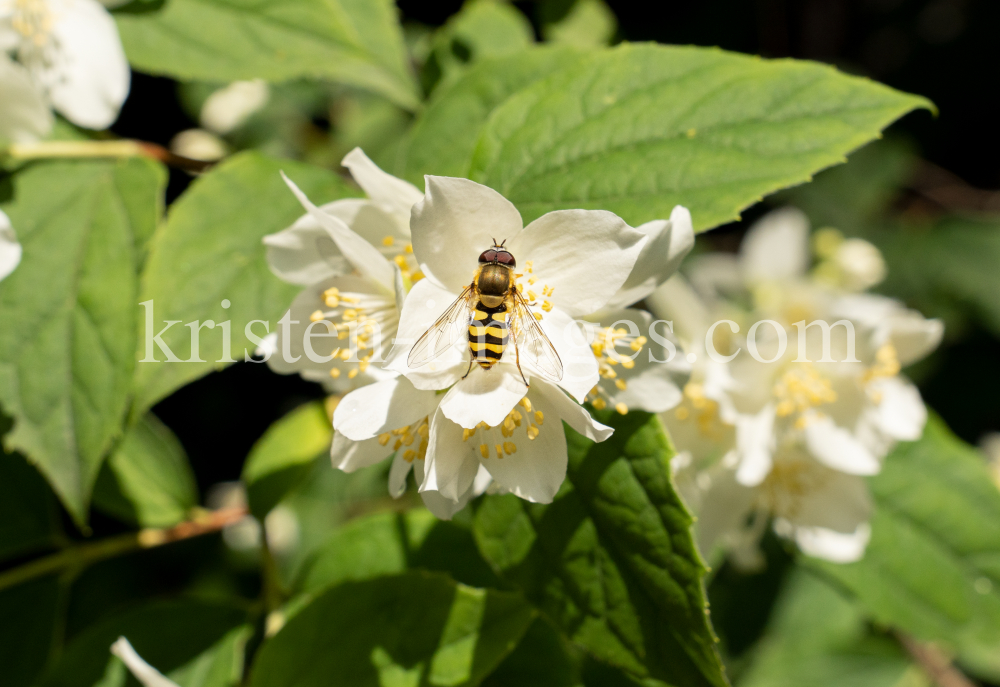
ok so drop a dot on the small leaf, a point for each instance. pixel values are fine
(932, 567)
(284, 456)
(69, 313)
(221, 665)
(414, 628)
(643, 127)
(147, 480)
(357, 43)
(210, 250)
(584, 23)
(612, 560)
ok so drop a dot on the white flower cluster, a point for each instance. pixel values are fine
(790, 441)
(384, 269)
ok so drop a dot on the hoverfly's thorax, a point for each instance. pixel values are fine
(493, 283)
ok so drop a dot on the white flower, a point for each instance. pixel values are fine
(229, 107)
(524, 454)
(355, 260)
(24, 114)
(773, 435)
(71, 51)
(570, 263)
(198, 144)
(143, 672)
(10, 249)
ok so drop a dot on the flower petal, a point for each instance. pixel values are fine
(363, 256)
(755, 445)
(776, 246)
(381, 407)
(143, 672)
(483, 396)
(89, 78)
(584, 256)
(677, 302)
(574, 415)
(393, 195)
(838, 448)
(536, 470)
(456, 221)
(10, 249)
(451, 465)
(669, 241)
(900, 412)
(912, 335)
(349, 455)
(398, 473)
(24, 115)
(444, 508)
(836, 547)
(572, 343)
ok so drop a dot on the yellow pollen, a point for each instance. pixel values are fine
(349, 315)
(345, 354)
(499, 449)
(383, 439)
(532, 295)
(802, 388)
(621, 408)
(532, 431)
(526, 404)
(334, 372)
(351, 374)
(509, 447)
(466, 433)
(539, 417)
(347, 298)
(409, 454)
(628, 363)
(547, 290)
(316, 316)
(620, 383)
(408, 248)
(599, 404)
(532, 280)
(401, 261)
(538, 316)
(547, 306)
(682, 413)
(332, 302)
(484, 450)
(529, 265)
(388, 241)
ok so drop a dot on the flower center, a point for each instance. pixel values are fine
(33, 20)
(605, 348)
(359, 319)
(527, 284)
(402, 254)
(504, 444)
(702, 410)
(787, 484)
(800, 389)
(407, 436)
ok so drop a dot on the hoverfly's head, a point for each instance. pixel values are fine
(498, 255)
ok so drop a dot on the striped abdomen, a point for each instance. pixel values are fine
(488, 334)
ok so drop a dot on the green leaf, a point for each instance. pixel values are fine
(541, 659)
(167, 634)
(641, 128)
(28, 629)
(611, 560)
(210, 250)
(356, 42)
(147, 480)
(221, 665)
(818, 638)
(29, 520)
(69, 313)
(444, 136)
(409, 629)
(932, 567)
(284, 456)
(583, 23)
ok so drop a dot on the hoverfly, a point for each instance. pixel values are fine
(493, 313)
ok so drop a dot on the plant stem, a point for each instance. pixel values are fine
(934, 662)
(80, 556)
(47, 150)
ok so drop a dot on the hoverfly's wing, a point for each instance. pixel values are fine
(443, 334)
(531, 344)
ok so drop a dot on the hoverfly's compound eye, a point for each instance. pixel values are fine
(505, 258)
(488, 257)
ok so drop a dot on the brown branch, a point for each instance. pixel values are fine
(934, 662)
(80, 556)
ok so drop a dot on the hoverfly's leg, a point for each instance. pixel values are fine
(469, 370)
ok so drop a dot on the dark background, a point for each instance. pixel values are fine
(947, 50)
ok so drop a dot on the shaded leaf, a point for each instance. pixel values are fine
(29, 520)
(147, 480)
(642, 127)
(284, 456)
(357, 42)
(68, 340)
(28, 629)
(611, 561)
(409, 629)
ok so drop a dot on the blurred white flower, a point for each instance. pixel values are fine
(787, 433)
(10, 249)
(355, 259)
(24, 114)
(198, 144)
(229, 107)
(143, 672)
(71, 52)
